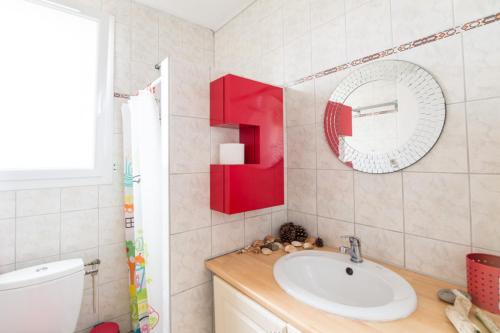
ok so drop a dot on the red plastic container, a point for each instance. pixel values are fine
(106, 328)
(483, 280)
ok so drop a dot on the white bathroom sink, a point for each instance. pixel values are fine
(322, 280)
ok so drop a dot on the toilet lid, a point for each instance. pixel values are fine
(40, 273)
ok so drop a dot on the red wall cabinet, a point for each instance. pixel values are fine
(256, 109)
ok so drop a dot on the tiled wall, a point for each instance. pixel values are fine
(430, 215)
(197, 233)
(58, 223)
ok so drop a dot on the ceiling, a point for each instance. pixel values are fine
(212, 14)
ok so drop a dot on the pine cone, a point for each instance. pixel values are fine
(319, 242)
(300, 233)
(287, 232)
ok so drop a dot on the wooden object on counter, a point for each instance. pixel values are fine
(486, 320)
(458, 314)
(252, 275)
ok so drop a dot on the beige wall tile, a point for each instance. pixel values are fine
(368, 29)
(331, 231)
(220, 218)
(416, 19)
(301, 189)
(484, 135)
(485, 209)
(189, 252)
(79, 230)
(123, 41)
(323, 11)
(379, 200)
(482, 67)
(301, 143)
(449, 154)
(38, 202)
(329, 44)
(141, 74)
(228, 237)
(7, 268)
(257, 212)
(7, 241)
(298, 58)
(257, 228)
(335, 194)
(113, 263)
(308, 221)
(277, 219)
(192, 310)
(190, 145)
(353, 4)
(110, 195)
(299, 102)
(120, 9)
(114, 299)
(111, 225)
(442, 260)
(144, 34)
(7, 204)
(271, 32)
(190, 202)
(190, 93)
(87, 318)
(381, 244)
(296, 19)
(37, 237)
(480, 250)
(468, 10)
(272, 67)
(437, 206)
(79, 198)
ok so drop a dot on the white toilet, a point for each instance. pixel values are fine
(42, 299)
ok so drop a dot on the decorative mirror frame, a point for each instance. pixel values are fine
(431, 116)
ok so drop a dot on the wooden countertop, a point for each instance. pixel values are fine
(252, 274)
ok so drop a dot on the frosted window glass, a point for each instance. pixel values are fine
(48, 88)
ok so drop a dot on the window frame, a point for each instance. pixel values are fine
(103, 168)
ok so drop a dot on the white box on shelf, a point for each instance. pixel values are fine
(232, 153)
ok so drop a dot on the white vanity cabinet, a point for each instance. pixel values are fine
(236, 313)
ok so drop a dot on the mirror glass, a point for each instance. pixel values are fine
(384, 116)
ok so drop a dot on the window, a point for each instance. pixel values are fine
(55, 95)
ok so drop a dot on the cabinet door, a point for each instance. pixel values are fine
(236, 313)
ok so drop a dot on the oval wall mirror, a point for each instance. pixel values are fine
(384, 116)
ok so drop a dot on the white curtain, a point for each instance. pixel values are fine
(143, 168)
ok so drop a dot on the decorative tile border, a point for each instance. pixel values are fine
(403, 47)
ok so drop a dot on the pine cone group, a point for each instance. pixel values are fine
(290, 232)
(300, 233)
(287, 232)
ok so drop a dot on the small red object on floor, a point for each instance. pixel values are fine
(106, 328)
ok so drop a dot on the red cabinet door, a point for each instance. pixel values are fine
(256, 109)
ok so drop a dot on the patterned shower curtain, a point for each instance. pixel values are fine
(142, 201)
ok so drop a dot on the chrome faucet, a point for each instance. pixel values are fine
(354, 250)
